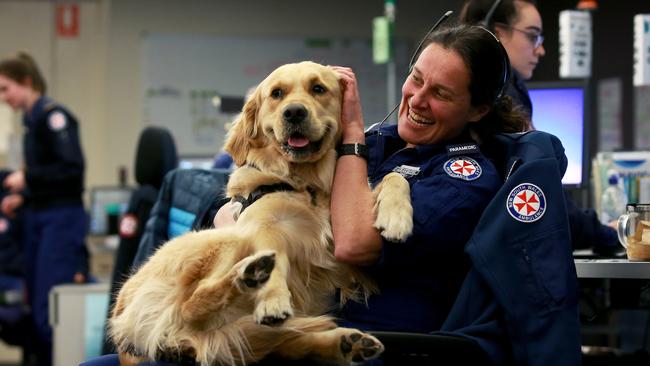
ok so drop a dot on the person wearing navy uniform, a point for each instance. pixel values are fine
(451, 101)
(50, 187)
(518, 25)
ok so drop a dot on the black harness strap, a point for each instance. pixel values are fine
(260, 192)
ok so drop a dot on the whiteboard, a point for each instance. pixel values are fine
(182, 74)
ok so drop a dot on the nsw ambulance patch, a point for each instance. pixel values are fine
(57, 121)
(463, 168)
(128, 226)
(526, 203)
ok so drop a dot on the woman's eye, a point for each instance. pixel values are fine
(318, 89)
(276, 93)
(442, 95)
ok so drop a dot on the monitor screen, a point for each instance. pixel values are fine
(559, 109)
(107, 205)
(196, 161)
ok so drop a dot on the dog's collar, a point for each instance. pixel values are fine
(260, 192)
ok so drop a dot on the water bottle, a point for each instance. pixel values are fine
(613, 202)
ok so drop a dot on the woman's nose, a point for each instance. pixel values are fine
(419, 98)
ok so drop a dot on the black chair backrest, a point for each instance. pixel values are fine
(156, 155)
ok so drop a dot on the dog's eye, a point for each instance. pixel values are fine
(276, 93)
(318, 89)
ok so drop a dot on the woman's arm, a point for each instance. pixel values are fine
(356, 241)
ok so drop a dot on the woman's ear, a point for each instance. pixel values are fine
(477, 113)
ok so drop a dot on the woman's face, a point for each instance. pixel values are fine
(519, 39)
(16, 95)
(436, 102)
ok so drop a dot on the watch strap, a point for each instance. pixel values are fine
(353, 149)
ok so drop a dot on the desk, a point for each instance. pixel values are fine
(612, 268)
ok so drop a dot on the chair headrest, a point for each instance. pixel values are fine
(155, 156)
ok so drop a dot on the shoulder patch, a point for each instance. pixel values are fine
(128, 226)
(57, 121)
(463, 168)
(526, 203)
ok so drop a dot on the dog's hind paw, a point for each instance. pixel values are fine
(357, 347)
(253, 271)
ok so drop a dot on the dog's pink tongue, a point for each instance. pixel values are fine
(298, 141)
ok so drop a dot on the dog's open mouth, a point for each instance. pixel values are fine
(299, 144)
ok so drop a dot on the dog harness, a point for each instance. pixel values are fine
(260, 192)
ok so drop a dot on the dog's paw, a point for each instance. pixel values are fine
(253, 271)
(395, 226)
(357, 347)
(393, 208)
(273, 310)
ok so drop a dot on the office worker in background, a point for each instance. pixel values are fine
(518, 25)
(50, 187)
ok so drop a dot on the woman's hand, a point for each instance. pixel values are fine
(10, 204)
(351, 117)
(227, 214)
(15, 181)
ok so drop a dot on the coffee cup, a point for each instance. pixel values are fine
(634, 232)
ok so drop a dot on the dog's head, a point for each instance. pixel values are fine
(295, 113)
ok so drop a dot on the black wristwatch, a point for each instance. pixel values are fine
(353, 149)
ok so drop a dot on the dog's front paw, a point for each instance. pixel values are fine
(273, 310)
(357, 347)
(393, 207)
(253, 271)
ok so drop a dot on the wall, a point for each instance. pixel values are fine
(98, 73)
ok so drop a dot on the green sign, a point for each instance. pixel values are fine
(380, 40)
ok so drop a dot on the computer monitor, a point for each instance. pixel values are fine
(196, 161)
(559, 108)
(107, 205)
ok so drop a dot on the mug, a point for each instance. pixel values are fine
(634, 231)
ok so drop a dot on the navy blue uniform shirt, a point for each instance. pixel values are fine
(54, 162)
(420, 278)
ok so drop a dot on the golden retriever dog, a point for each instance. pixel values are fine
(234, 295)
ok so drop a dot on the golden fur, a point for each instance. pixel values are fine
(233, 295)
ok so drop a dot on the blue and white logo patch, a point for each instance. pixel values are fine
(526, 203)
(463, 168)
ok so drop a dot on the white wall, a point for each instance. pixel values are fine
(98, 73)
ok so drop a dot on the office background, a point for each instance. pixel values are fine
(98, 73)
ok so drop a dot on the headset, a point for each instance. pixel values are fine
(484, 24)
(414, 57)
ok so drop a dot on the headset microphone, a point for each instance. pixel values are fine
(415, 55)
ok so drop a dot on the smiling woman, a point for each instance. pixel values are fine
(451, 101)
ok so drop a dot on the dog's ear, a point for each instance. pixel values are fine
(243, 130)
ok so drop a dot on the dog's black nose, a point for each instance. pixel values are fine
(294, 113)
